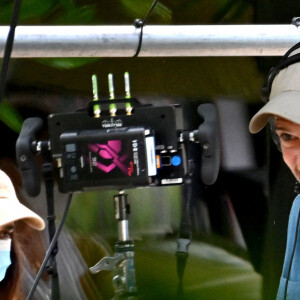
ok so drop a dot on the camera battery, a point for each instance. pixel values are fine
(118, 158)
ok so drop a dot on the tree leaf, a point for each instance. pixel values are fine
(67, 62)
(10, 116)
(30, 9)
(140, 8)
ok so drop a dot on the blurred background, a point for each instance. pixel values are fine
(239, 223)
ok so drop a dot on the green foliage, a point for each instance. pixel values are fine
(32, 11)
(230, 10)
(139, 9)
(67, 12)
(67, 62)
(10, 117)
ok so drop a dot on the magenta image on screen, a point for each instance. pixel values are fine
(109, 157)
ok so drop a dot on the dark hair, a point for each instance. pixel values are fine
(10, 285)
(26, 259)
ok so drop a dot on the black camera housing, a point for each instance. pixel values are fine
(147, 147)
(121, 151)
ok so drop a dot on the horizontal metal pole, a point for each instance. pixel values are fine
(158, 41)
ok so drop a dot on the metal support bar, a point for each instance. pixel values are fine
(158, 41)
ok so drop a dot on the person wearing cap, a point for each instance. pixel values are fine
(282, 113)
(14, 219)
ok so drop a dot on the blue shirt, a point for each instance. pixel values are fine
(289, 287)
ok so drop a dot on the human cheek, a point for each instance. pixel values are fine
(291, 158)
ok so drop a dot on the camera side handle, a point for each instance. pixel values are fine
(26, 156)
(209, 138)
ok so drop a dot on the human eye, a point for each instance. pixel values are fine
(286, 137)
(288, 140)
(4, 235)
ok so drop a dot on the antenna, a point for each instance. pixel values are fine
(127, 93)
(112, 107)
(96, 107)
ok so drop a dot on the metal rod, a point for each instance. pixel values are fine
(123, 231)
(158, 41)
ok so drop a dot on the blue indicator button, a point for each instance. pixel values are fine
(176, 160)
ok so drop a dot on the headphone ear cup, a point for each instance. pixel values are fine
(266, 89)
(274, 135)
(284, 62)
(276, 140)
(265, 93)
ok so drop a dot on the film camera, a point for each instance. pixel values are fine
(118, 143)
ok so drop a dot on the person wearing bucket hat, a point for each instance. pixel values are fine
(13, 215)
(282, 113)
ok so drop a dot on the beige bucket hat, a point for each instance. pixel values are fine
(12, 210)
(284, 99)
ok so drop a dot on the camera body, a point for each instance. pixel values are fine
(142, 148)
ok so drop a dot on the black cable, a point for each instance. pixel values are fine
(9, 47)
(51, 248)
(138, 23)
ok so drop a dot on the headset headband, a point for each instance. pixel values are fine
(285, 61)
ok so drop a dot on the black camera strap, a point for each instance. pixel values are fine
(50, 249)
(185, 228)
(184, 239)
(47, 170)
